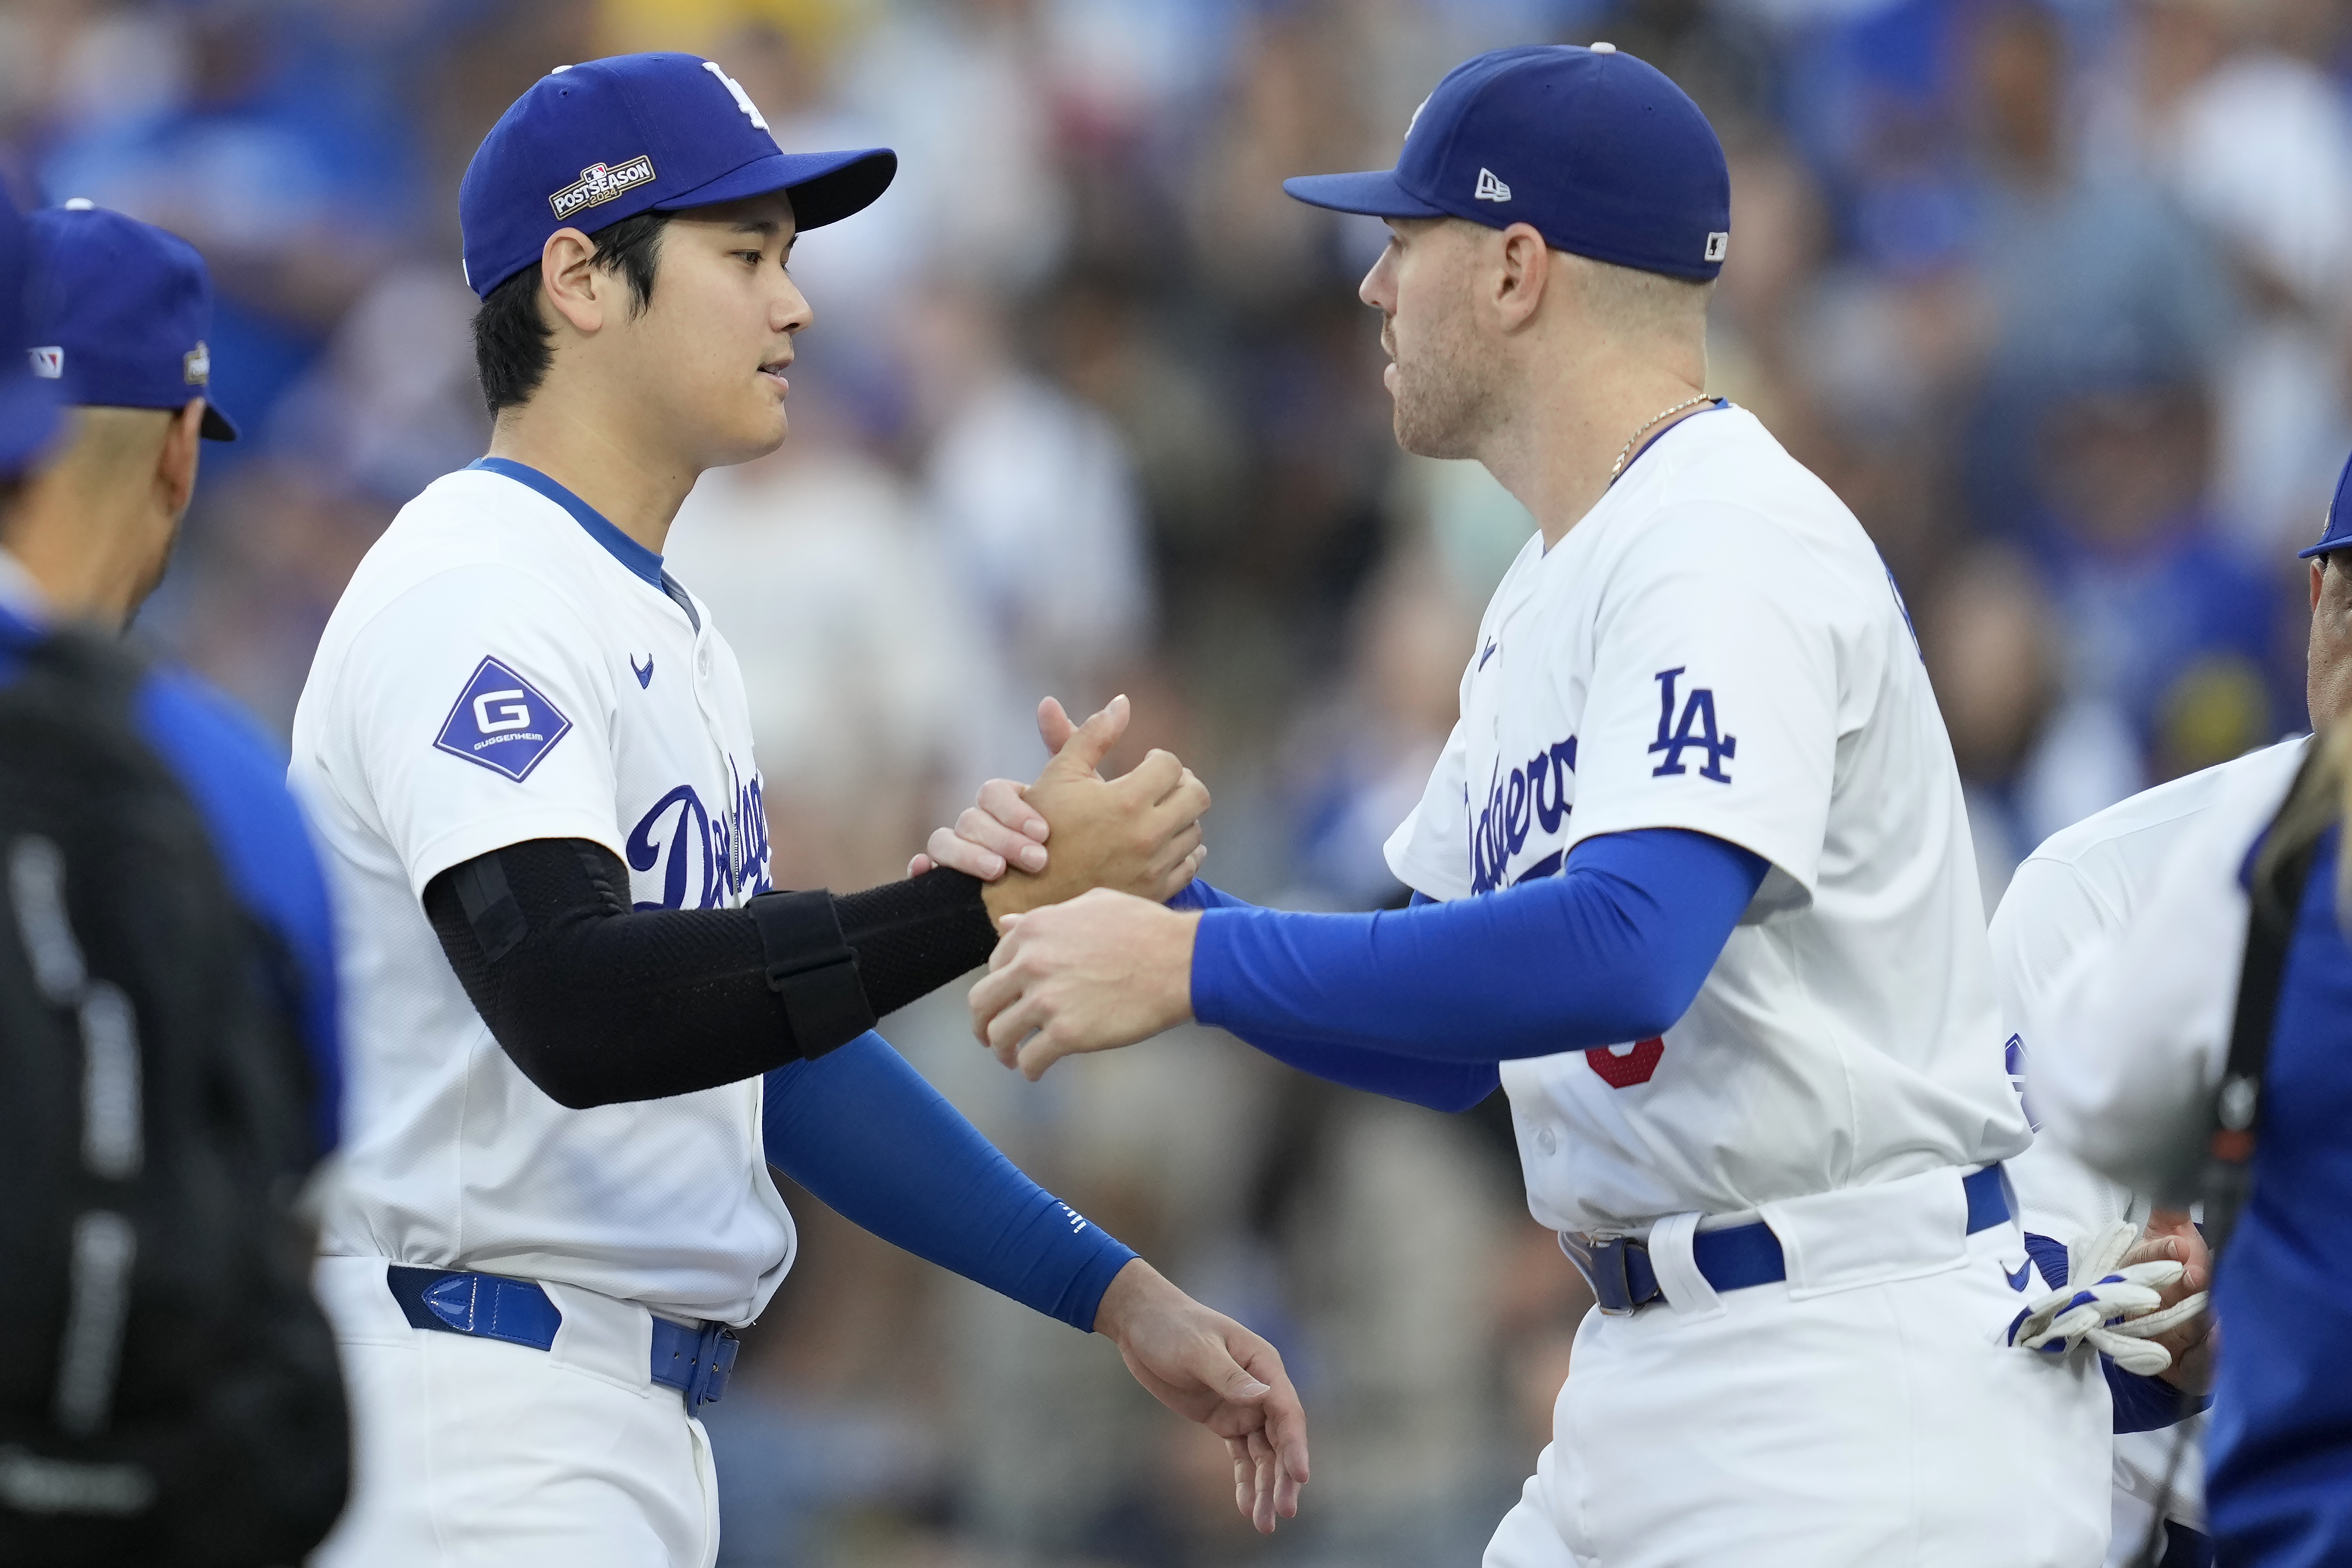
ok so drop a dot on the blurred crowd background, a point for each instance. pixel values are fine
(2049, 290)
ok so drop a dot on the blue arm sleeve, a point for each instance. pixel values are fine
(237, 780)
(1612, 950)
(1440, 1086)
(2148, 1404)
(864, 1132)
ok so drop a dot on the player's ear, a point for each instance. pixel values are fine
(175, 466)
(1522, 274)
(577, 292)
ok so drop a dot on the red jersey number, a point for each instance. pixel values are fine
(1635, 1066)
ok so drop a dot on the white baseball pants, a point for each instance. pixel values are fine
(1875, 1426)
(472, 1453)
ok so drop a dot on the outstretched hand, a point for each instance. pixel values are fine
(1101, 971)
(1208, 1368)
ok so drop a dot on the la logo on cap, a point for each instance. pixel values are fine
(1490, 189)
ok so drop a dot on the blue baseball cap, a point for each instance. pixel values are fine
(121, 311)
(28, 406)
(2336, 528)
(1602, 154)
(590, 144)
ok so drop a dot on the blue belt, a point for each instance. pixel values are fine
(1733, 1259)
(695, 1362)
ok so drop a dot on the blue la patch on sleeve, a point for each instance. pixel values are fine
(501, 722)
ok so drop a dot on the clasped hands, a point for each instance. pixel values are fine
(1092, 958)
(2135, 1296)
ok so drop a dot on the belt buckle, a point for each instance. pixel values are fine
(714, 1358)
(1603, 1264)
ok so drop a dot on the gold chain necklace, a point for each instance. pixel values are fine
(1626, 451)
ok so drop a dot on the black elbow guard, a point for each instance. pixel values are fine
(812, 969)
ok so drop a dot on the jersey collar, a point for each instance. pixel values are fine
(1719, 404)
(621, 547)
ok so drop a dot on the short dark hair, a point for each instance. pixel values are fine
(511, 337)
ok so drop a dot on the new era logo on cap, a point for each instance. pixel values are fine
(1717, 244)
(49, 364)
(1490, 189)
(598, 184)
(196, 366)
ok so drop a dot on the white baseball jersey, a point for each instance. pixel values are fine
(506, 665)
(2071, 897)
(1718, 646)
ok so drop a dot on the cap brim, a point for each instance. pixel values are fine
(825, 187)
(1374, 193)
(217, 426)
(2325, 547)
(30, 419)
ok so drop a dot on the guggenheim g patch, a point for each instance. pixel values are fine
(501, 722)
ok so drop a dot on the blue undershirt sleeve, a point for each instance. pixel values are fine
(870, 1137)
(1440, 1086)
(2148, 1404)
(1611, 951)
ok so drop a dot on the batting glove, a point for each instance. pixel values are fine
(2107, 1305)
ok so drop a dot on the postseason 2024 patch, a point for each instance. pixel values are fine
(501, 722)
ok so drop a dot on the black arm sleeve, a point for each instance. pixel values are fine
(598, 1003)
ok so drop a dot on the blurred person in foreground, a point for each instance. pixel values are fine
(215, 1433)
(1692, 882)
(583, 1022)
(2071, 899)
(119, 310)
(2139, 1030)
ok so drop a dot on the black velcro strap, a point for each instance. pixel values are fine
(490, 907)
(813, 969)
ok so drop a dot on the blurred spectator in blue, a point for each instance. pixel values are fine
(2090, 276)
(2158, 612)
(2033, 756)
(278, 141)
(2234, 108)
(1876, 101)
(1372, 748)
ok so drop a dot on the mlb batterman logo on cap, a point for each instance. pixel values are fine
(1599, 152)
(120, 310)
(590, 144)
